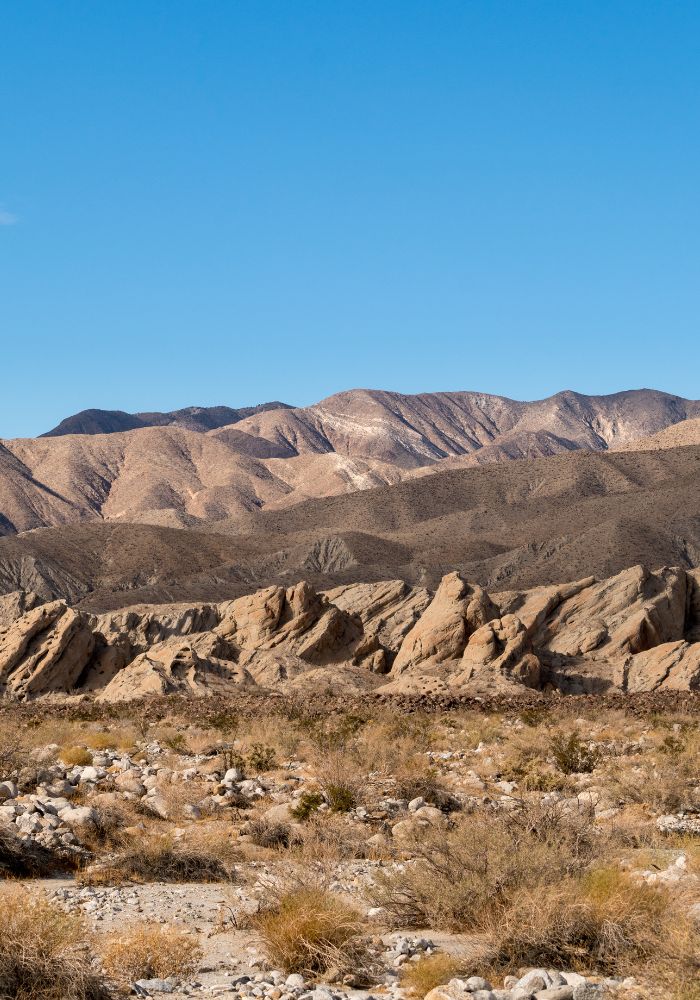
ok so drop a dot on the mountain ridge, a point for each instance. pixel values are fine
(275, 458)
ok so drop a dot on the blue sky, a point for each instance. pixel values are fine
(212, 202)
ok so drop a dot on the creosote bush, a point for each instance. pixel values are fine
(573, 756)
(150, 951)
(261, 758)
(43, 954)
(311, 931)
(307, 803)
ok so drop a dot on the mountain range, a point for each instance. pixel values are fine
(186, 468)
(363, 486)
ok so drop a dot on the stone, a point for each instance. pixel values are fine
(155, 985)
(588, 991)
(77, 816)
(442, 632)
(534, 980)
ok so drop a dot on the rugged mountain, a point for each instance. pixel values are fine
(637, 631)
(176, 476)
(193, 418)
(512, 525)
(686, 432)
(413, 431)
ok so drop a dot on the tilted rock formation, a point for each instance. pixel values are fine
(45, 650)
(15, 604)
(442, 632)
(637, 631)
(200, 665)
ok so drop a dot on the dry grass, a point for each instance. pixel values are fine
(327, 839)
(150, 951)
(43, 953)
(313, 932)
(72, 756)
(121, 738)
(420, 977)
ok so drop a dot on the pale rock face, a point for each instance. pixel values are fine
(388, 609)
(16, 604)
(45, 650)
(637, 631)
(200, 665)
(627, 613)
(442, 632)
(501, 650)
(671, 666)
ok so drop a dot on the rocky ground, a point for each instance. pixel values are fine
(205, 823)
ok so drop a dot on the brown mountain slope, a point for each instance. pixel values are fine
(687, 432)
(412, 431)
(517, 524)
(174, 476)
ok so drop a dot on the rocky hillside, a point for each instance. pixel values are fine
(180, 473)
(638, 631)
(514, 525)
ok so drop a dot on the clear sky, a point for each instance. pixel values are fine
(229, 201)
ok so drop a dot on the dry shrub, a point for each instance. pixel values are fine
(329, 839)
(340, 782)
(111, 739)
(216, 838)
(72, 756)
(420, 977)
(311, 931)
(157, 859)
(605, 921)
(150, 951)
(572, 756)
(43, 954)
(266, 834)
(666, 782)
(422, 781)
(178, 794)
(463, 875)
(105, 829)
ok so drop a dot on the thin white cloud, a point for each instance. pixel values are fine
(7, 218)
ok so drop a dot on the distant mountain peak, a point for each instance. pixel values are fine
(193, 418)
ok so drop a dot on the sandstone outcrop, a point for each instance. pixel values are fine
(636, 631)
(443, 630)
(45, 650)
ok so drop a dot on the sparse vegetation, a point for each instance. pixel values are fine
(311, 931)
(150, 951)
(43, 954)
(430, 971)
(546, 852)
(156, 859)
(73, 756)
